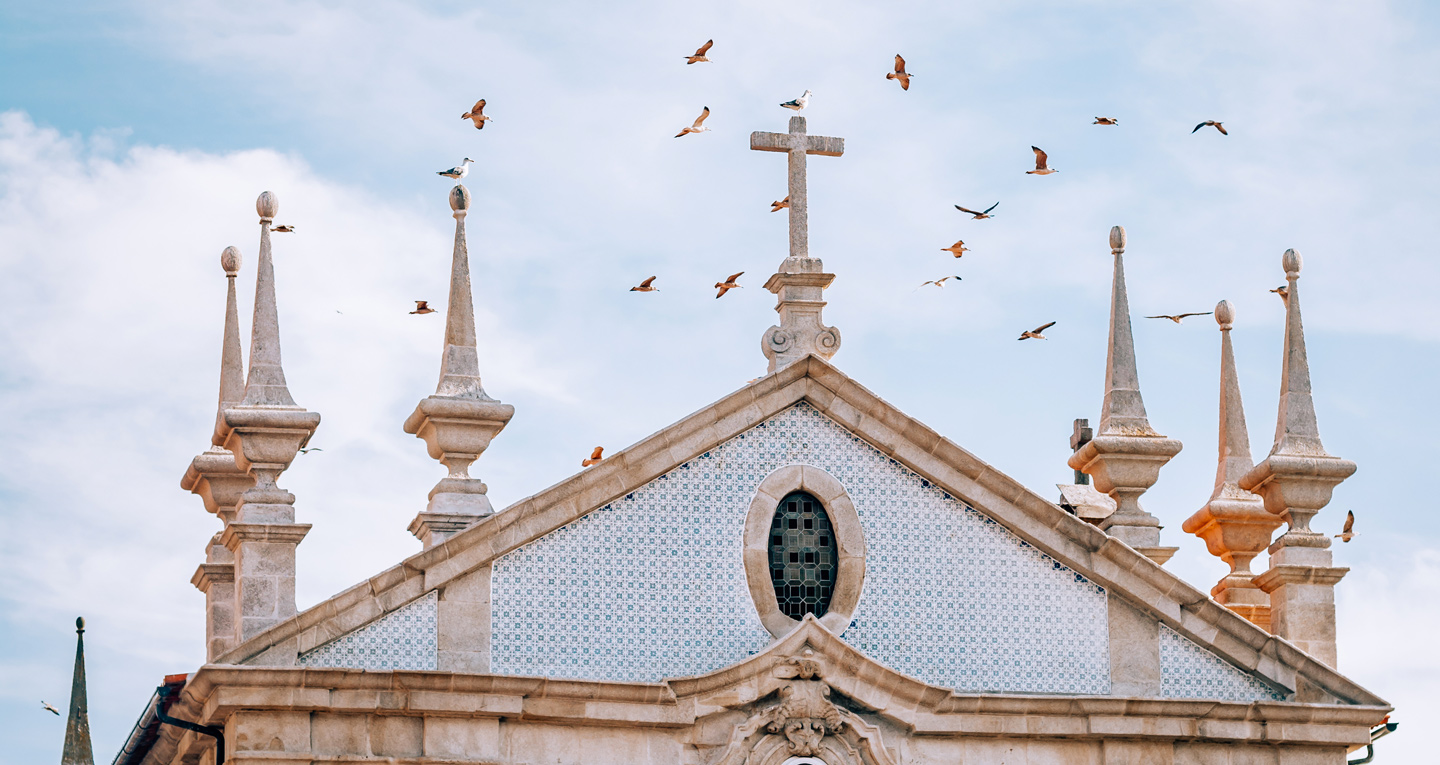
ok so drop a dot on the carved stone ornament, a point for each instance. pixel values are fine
(804, 723)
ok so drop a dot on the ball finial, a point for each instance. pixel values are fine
(1224, 314)
(267, 205)
(459, 198)
(230, 260)
(1117, 238)
(79, 624)
(1291, 261)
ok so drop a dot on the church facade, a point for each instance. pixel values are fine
(796, 574)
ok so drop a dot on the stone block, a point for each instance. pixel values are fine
(471, 662)
(248, 731)
(397, 736)
(339, 734)
(1292, 755)
(463, 626)
(1138, 753)
(466, 739)
(473, 587)
(995, 751)
(1134, 651)
(1053, 752)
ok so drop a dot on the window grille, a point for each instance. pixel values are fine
(803, 556)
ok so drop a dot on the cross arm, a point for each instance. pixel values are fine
(825, 146)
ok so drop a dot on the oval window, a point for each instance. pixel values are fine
(803, 556)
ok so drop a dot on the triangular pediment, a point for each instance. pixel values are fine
(1190, 615)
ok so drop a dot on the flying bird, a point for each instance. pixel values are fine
(1034, 334)
(645, 286)
(699, 56)
(1348, 533)
(594, 458)
(799, 103)
(49, 708)
(476, 115)
(957, 249)
(311, 449)
(1180, 317)
(458, 172)
(1041, 168)
(781, 205)
(940, 282)
(979, 215)
(900, 73)
(1105, 121)
(696, 128)
(422, 306)
(283, 229)
(727, 285)
(1211, 123)
(1283, 291)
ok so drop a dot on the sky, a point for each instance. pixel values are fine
(134, 138)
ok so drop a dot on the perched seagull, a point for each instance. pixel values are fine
(1283, 291)
(1041, 168)
(979, 215)
(941, 281)
(699, 57)
(645, 286)
(282, 229)
(458, 172)
(957, 249)
(49, 708)
(422, 306)
(799, 103)
(1211, 123)
(781, 205)
(1105, 121)
(727, 285)
(1034, 334)
(476, 115)
(1346, 534)
(311, 449)
(900, 73)
(594, 458)
(695, 128)
(1180, 317)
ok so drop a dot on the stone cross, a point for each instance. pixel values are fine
(1080, 434)
(797, 144)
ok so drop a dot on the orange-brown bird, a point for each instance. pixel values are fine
(1348, 533)
(695, 128)
(781, 205)
(282, 229)
(595, 457)
(1283, 291)
(957, 249)
(727, 285)
(1211, 123)
(1034, 334)
(979, 215)
(422, 306)
(1041, 163)
(476, 115)
(1179, 317)
(1105, 121)
(699, 57)
(900, 73)
(939, 282)
(645, 286)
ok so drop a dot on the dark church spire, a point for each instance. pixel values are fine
(77, 728)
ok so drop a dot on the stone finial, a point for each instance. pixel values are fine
(458, 422)
(265, 431)
(77, 749)
(1234, 523)
(1296, 481)
(1126, 454)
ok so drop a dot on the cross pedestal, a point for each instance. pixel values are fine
(801, 280)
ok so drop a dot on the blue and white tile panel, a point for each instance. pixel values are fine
(402, 639)
(1188, 671)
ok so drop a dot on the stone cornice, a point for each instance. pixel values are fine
(1071, 541)
(1277, 576)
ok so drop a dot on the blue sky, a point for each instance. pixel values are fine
(134, 138)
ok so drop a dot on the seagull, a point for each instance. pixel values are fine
(1346, 534)
(1211, 123)
(1040, 167)
(645, 286)
(283, 229)
(781, 205)
(311, 449)
(1283, 291)
(695, 128)
(422, 306)
(49, 708)
(979, 215)
(594, 458)
(941, 281)
(727, 285)
(476, 116)
(1034, 334)
(1105, 121)
(799, 103)
(957, 249)
(458, 172)
(1180, 317)
(900, 73)
(699, 56)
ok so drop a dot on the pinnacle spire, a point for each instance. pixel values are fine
(1123, 411)
(1235, 460)
(232, 359)
(460, 365)
(77, 726)
(1296, 430)
(265, 385)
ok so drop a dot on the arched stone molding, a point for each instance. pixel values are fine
(849, 542)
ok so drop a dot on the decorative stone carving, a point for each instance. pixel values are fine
(804, 723)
